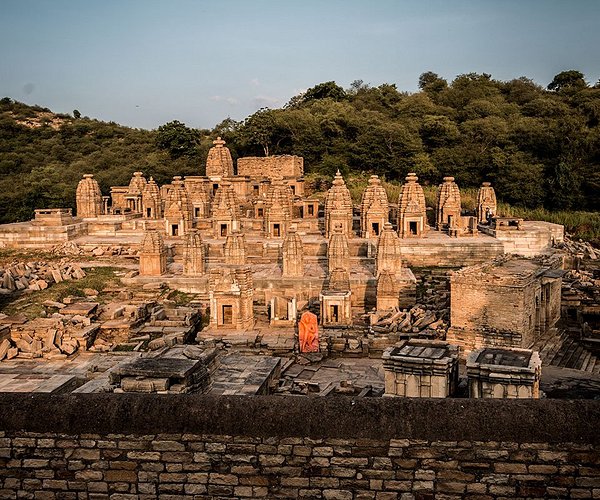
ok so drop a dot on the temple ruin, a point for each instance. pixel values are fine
(214, 272)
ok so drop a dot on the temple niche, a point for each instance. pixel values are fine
(219, 162)
(389, 251)
(292, 255)
(193, 254)
(234, 249)
(486, 202)
(412, 212)
(448, 217)
(152, 201)
(230, 296)
(178, 210)
(153, 254)
(374, 209)
(335, 299)
(133, 197)
(225, 210)
(338, 252)
(338, 208)
(277, 209)
(88, 197)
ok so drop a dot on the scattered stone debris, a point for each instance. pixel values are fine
(38, 275)
(70, 248)
(413, 320)
(579, 247)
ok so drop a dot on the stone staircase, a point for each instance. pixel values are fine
(564, 351)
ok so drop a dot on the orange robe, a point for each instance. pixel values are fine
(308, 333)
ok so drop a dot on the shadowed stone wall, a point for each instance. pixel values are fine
(141, 446)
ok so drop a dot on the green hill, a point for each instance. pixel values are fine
(539, 147)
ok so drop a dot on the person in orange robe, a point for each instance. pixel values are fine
(308, 332)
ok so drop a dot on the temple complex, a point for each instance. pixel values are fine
(232, 260)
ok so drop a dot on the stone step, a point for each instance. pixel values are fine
(551, 347)
(562, 352)
(585, 360)
(596, 368)
(571, 357)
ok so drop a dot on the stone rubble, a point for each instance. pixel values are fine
(579, 247)
(37, 275)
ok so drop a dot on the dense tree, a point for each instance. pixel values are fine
(177, 139)
(571, 80)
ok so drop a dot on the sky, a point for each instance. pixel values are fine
(143, 63)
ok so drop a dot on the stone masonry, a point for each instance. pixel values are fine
(141, 446)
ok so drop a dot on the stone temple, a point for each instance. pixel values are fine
(243, 282)
(256, 251)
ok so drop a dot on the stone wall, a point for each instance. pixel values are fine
(141, 446)
(271, 166)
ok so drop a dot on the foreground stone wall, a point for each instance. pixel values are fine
(140, 446)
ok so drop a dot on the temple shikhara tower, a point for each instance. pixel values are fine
(448, 217)
(225, 210)
(219, 162)
(338, 252)
(178, 210)
(292, 255)
(374, 209)
(153, 254)
(152, 206)
(338, 208)
(486, 202)
(277, 209)
(88, 197)
(193, 254)
(389, 251)
(412, 213)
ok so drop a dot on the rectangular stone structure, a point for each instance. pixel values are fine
(510, 302)
(271, 166)
(161, 374)
(504, 373)
(421, 369)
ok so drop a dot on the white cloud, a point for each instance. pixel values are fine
(255, 82)
(263, 101)
(228, 100)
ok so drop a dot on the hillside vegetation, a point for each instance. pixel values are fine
(540, 147)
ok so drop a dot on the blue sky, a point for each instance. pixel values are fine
(143, 63)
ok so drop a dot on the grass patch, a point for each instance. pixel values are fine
(30, 303)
